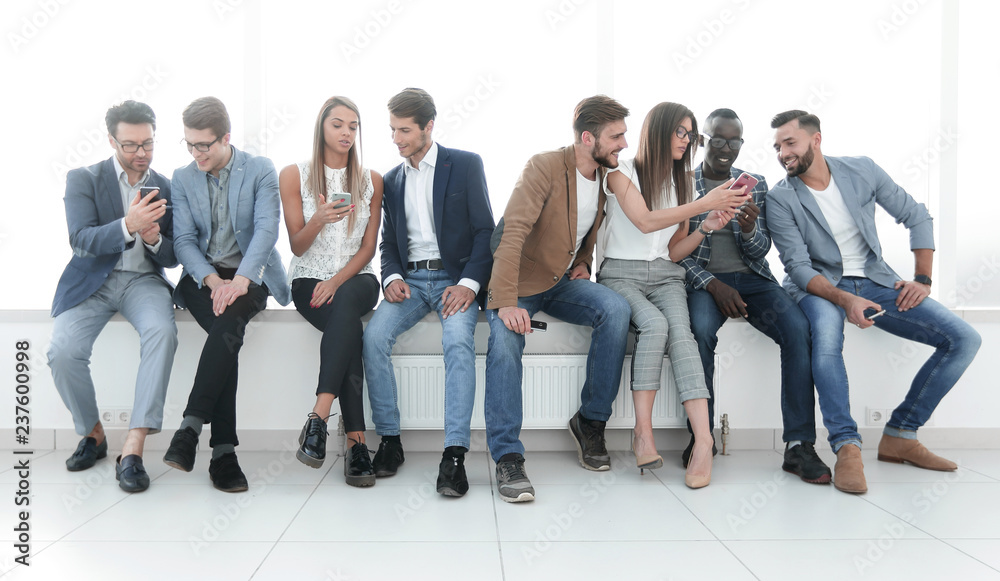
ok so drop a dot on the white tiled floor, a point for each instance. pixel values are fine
(753, 522)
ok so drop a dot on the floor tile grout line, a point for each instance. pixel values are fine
(295, 516)
(974, 558)
(496, 516)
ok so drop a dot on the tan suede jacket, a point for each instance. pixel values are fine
(539, 234)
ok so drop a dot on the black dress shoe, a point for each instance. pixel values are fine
(131, 474)
(88, 452)
(389, 456)
(358, 470)
(452, 480)
(226, 474)
(312, 442)
(686, 454)
(183, 447)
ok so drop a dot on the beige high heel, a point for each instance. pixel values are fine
(698, 480)
(645, 461)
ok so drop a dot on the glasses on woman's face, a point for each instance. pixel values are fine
(682, 133)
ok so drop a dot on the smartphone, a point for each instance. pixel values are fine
(345, 195)
(146, 190)
(541, 326)
(871, 313)
(745, 179)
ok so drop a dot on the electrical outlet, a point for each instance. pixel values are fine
(108, 417)
(124, 416)
(877, 416)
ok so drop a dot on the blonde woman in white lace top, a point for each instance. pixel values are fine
(332, 210)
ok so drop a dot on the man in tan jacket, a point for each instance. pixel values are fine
(543, 263)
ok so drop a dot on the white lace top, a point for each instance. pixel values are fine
(332, 249)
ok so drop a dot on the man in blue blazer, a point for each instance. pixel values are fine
(436, 229)
(226, 210)
(121, 242)
(822, 220)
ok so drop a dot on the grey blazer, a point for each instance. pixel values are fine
(254, 209)
(803, 237)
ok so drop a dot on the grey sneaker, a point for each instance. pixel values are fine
(589, 438)
(512, 480)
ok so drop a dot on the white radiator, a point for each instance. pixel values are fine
(551, 393)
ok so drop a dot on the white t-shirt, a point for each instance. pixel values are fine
(622, 239)
(853, 248)
(586, 209)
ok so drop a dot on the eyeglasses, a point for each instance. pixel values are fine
(134, 147)
(682, 133)
(718, 142)
(202, 147)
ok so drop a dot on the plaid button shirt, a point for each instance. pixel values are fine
(753, 251)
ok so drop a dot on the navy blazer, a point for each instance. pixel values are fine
(803, 236)
(93, 211)
(463, 218)
(254, 211)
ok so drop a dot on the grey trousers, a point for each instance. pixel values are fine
(655, 291)
(144, 300)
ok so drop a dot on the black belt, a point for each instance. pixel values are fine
(426, 265)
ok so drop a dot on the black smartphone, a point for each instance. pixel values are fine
(539, 326)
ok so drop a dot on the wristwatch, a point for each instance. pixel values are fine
(703, 232)
(922, 279)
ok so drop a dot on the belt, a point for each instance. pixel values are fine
(435, 264)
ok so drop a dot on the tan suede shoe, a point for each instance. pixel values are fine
(849, 471)
(899, 450)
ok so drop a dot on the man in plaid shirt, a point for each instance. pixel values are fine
(728, 277)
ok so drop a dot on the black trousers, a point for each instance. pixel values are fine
(213, 397)
(341, 371)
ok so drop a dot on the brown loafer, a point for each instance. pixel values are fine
(849, 471)
(900, 450)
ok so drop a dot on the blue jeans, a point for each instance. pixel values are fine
(391, 320)
(955, 343)
(772, 311)
(580, 302)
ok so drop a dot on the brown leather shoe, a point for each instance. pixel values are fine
(899, 450)
(849, 471)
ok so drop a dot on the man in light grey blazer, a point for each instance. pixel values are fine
(822, 220)
(121, 243)
(226, 210)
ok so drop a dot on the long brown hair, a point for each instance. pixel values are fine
(655, 165)
(354, 178)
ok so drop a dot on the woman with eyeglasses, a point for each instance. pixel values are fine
(649, 202)
(332, 207)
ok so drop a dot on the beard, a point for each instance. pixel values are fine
(804, 162)
(604, 158)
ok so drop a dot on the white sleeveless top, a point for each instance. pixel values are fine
(622, 239)
(333, 248)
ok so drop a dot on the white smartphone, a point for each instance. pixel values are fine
(345, 195)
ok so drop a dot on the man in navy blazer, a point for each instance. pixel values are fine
(822, 220)
(121, 242)
(436, 229)
(226, 210)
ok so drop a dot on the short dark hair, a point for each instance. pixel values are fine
(807, 121)
(132, 112)
(593, 113)
(722, 114)
(208, 113)
(415, 103)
